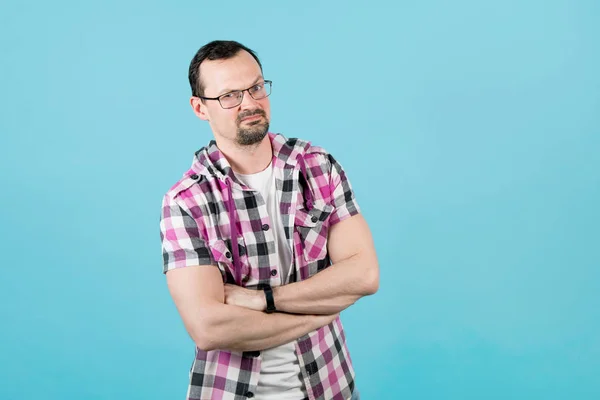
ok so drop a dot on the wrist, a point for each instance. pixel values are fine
(260, 300)
(277, 298)
(269, 300)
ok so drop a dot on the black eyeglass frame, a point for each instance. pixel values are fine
(265, 82)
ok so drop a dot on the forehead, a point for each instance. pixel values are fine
(238, 72)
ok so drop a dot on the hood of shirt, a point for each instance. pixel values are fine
(209, 161)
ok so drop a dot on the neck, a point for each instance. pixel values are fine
(247, 160)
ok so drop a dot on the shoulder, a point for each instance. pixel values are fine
(318, 156)
(308, 150)
(188, 179)
(190, 194)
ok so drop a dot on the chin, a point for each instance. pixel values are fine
(252, 136)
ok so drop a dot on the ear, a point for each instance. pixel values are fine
(199, 108)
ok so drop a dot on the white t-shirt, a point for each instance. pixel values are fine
(280, 370)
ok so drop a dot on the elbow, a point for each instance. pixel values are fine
(371, 281)
(204, 341)
(205, 335)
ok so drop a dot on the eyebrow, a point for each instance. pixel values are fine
(260, 77)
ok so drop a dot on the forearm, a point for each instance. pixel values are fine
(235, 328)
(331, 290)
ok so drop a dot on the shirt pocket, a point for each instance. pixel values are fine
(313, 229)
(221, 252)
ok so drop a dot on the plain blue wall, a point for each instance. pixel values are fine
(470, 131)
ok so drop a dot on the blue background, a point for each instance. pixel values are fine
(471, 134)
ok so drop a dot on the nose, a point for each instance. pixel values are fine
(248, 101)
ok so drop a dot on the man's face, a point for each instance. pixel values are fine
(245, 124)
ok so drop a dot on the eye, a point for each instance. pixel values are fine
(258, 87)
(228, 96)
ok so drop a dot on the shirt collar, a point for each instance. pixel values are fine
(210, 161)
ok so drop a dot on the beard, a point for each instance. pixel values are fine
(255, 131)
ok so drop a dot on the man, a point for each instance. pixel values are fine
(263, 246)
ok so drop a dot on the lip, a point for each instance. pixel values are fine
(252, 118)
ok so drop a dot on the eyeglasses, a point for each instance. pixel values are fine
(234, 98)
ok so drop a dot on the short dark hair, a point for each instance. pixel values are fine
(215, 50)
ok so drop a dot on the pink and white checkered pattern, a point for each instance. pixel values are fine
(195, 230)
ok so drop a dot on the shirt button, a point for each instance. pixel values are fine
(194, 176)
(265, 227)
(249, 395)
(273, 272)
(314, 219)
(228, 255)
(311, 368)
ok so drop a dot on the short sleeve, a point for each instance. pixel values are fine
(182, 243)
(344, 201)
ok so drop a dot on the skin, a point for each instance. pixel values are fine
(354, 273)
(219, 316)
(240, 132)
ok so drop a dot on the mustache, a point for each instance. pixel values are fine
(250, 113)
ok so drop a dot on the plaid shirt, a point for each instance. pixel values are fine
(197, 228)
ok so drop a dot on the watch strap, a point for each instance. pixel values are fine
(270, 300)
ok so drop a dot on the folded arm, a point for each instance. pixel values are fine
(354, 273)
(198, 293)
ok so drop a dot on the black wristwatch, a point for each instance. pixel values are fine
(270, 300)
